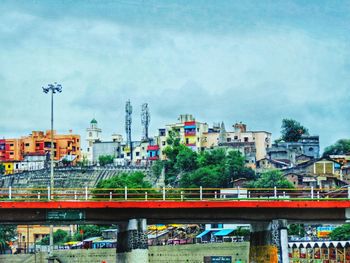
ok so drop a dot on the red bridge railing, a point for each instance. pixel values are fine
(176, 194)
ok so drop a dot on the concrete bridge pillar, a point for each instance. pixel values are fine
(269, 242)
(132, 243)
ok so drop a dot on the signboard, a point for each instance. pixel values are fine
(324, 231)
(218, 259)
(309, 179)
(65, 215)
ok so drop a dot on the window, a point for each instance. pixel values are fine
(77, 140)
(197, 139)
(236, 137)
(197, 129)
(311, 149)
(9, 166)
(246, 139)
(187, 141)
(163, 143)
(27, 144)
(228, 139)
(137, 153)
(37, 144)
(11, 144)
(11, 153)
(90, 134)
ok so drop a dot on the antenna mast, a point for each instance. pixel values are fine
(145, 121)
(128, 112)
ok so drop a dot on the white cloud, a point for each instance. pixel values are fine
(258, 77)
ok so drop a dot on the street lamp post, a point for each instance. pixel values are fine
(53, 88)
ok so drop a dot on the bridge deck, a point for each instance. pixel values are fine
(173, 204)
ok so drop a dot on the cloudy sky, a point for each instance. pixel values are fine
(251, 61)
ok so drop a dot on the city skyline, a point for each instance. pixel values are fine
(256, 62)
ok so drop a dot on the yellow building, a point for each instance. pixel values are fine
(37, 232)
(9, 167)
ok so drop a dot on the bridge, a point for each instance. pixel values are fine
(267, 210)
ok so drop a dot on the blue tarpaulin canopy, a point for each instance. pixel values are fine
(203, 233)
(224, 232)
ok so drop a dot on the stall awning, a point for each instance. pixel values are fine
(203, 233)
(224, 232)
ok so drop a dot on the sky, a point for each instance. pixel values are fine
(251, 61)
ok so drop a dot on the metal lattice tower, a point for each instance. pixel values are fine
(128, 112)
(222, 134)
(145, 121)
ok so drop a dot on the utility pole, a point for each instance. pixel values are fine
(53, 88)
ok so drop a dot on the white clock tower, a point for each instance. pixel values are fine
(93, 135)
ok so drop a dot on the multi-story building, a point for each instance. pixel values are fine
(40, 143)
(2, 149)
(252, 144)
(307, 147)
(189, 131)
(140, 152)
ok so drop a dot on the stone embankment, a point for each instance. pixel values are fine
(68, 177)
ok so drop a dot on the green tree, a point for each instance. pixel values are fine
(342, 146)
(59, 237)
(243, 232)
(173, 165)
(341, 233)
(209, 176)
(235, 167)
(105, 159)
(212, 157)
(133, 180)
(217, 168)
(157, 167)
(2, 168)
(296, 230)
(292, 130)
(87, 231)
(7, 233)
(186, 159)
(83, 162)
(271, 179)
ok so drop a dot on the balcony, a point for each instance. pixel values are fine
(190, 133)
(152, 148)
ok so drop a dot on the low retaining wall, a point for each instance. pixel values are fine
(157, 254)
(196, 253)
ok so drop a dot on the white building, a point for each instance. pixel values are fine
(93, 135)
(31, 162)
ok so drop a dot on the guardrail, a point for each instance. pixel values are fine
(176, 194)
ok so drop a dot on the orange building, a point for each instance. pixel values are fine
(40, 142)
